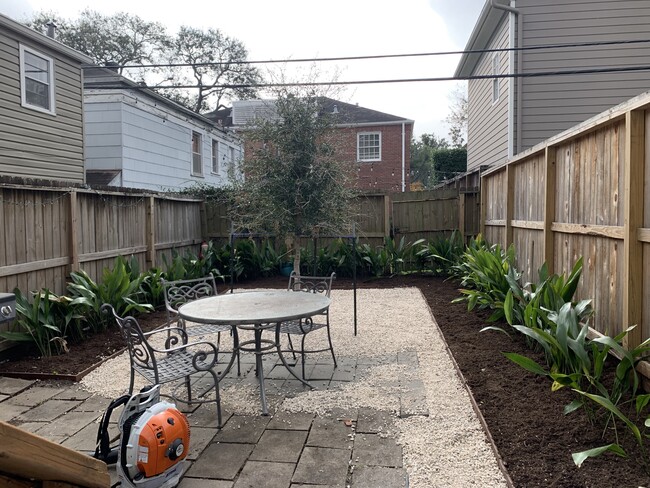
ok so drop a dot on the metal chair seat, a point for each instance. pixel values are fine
(302, 328)
(177, 359)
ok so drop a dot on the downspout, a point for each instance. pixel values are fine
(403, 157)
(514, 69)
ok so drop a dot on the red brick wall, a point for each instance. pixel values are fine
(387, 173)
(377, 175)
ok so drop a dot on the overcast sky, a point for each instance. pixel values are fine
(281, 29)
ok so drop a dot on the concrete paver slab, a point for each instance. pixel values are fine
(283, 446)
(13, 386)
(265, 475)
(291, 421)
(375, 450)
(95, 403)
(322, 466)
(330, 432)
(9, 411)
(374, 477)
(244, 430)
(48, 411)
(73, 393)
(199, 440)
(69, 424)
(373, 421)
(221, 460)
(204, 483)
(34, 396)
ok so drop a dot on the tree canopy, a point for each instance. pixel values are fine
(295, 184)
(434, 160)
(124, 38)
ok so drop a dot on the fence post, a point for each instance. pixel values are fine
(461, 215)
(549, 207)
(483, 198)
(510, 203)
(204, 221)
(74, 233)
(151, 232)
(387, 215)
(633, 220)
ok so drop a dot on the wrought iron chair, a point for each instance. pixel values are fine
(180, 292)
(309, 284)
(176, 360)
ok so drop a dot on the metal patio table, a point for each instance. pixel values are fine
(257, 311)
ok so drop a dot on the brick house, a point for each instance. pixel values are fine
(374, 143)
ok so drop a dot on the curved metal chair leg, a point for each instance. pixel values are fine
(132, 381)
(188, 385)
(329, 338)
(302, 354)
(217, 398)
(293, 351)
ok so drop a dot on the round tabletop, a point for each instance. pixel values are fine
(254, 307)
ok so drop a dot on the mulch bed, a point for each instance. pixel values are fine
(534, 437)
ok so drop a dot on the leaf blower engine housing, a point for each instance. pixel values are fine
(155, 439)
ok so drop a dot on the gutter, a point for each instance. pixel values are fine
(515, 69)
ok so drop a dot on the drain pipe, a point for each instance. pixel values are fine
(511, 93)
(403, 157)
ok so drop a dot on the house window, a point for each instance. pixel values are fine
(197, 156)
(369, 146)
(495, 81)
(215, 156)
(36, 80)
(232, 158)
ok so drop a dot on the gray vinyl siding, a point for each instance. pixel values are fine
(488, 122)
(35, 144)
(148, 142)
(553, 104)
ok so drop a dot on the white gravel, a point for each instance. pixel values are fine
(448, 448)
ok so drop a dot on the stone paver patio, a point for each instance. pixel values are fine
(284, 449)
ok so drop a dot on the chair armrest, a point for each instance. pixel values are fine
(172, 339)
(199, 357)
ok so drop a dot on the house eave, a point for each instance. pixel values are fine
(373, 124)
(44, 40)
(483, 31)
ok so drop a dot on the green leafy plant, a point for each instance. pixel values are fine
(116, 288)
(442, 255)
(38, 323)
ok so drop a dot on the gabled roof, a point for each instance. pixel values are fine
(99, 78)
(43, 40)
(483, 31)
(344, 114)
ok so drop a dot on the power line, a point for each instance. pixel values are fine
(624, 69)
(382, 56)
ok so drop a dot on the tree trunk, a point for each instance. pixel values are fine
(291, 242)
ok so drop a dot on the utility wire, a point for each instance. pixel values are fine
(382, 56)
(538, 74)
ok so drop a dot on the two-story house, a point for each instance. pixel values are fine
(41, 106)
(137, 138)
(375, 144)
(510, 114)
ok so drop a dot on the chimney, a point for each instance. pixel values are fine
(335, 110)
(112, 65)
(51, 29)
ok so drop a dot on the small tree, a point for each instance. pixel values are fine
(294, 184)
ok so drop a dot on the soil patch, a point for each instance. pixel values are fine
(534, 437)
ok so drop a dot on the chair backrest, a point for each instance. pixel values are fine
(311, 284)
(180, 292)
(141, 353)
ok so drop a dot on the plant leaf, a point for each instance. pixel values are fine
(573, 406)
(581, 457)
(526, 363)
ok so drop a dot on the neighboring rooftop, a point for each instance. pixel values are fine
(244, 112)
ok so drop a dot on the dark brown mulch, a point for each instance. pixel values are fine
(525, 419)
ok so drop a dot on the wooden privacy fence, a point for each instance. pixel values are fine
(48, 232)
(412, 215)
(583, 193)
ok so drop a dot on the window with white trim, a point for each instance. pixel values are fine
(369, 146)
(495, 81)
(215, 156)
(197, 155)
(36, 80)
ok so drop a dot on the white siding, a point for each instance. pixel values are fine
(553, 104)
(488, 121)
(103, 131)
(149, 142)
